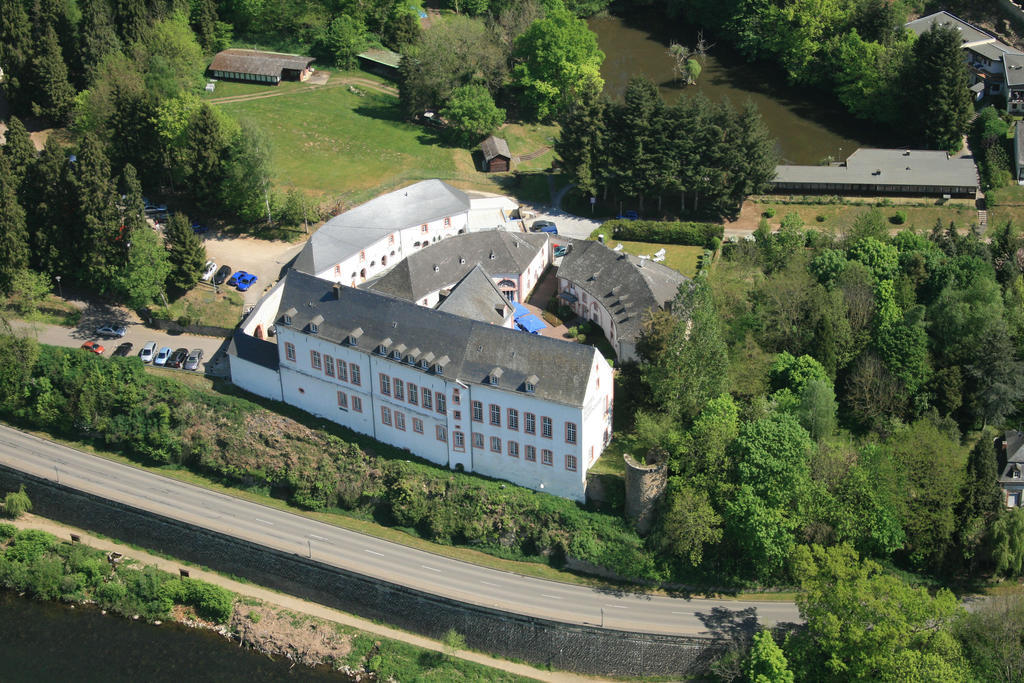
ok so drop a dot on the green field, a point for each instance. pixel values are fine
(677, 257)
(346, 147)
(839, 217)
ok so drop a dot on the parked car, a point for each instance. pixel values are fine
(629, 216)
(177, 358)
(233, 280)
(146, 352)
(544, 226)
(199, 229)
(195, 357)
(222, 275)
(162, 355)
(208, 271)
(123, 349)
(92, 346)
(112, 330)
(560, 250)
(245, 282)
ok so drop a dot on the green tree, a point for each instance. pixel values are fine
(938, 103)
(204, 21)
(185, 253)
(19, 152)
(686, 524)
(131, 19)
(204, 151)
(817, 409)
(453, 642)
(767, 661)
(53, 95)
(142, 278)
(557, 60)
(692, 368)
(245, 188)
(343, 39)
(13, 231)
(580, 143)
(863, 624)
(20, 354)
(17, 503)
(97, 37)
(881, 259)
(992, 636)
(100, 250)
(28, 291)
(50, 211)
(472, 115)
(789, 372)
(827, 266)
(15, 53)
(1008, 543)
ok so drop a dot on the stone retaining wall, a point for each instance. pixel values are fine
(583, 649)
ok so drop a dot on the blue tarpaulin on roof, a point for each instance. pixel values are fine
(519, 311)
(531, 323)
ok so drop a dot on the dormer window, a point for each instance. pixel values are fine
(354, 335)
(286, 317)
(384, 345)
(382, 350)
(397, 352)
(494, 376)
(410, 358)
(530, 385)
(426, 360)
(424, 365)
(439, 366)
(314, 324)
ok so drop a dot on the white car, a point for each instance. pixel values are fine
(208, 271)
(146, 354)
(162, 355)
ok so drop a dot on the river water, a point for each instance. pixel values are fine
(808, 127)
(42, 642)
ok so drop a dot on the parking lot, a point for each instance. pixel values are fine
(264, 259)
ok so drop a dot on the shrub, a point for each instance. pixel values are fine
(17, 503)
(769, 212)
(665, 232)
(898, 218)
(819, 218)
(7, 531)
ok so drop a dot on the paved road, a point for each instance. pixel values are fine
(374, 557)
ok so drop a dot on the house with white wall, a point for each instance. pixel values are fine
(458, 392)
(615, 290)
(1011, 479)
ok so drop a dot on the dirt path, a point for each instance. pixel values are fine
(335, 82)
(290, 602)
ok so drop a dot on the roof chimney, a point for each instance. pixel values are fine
(337, 291)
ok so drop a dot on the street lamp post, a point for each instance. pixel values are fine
(60, 292)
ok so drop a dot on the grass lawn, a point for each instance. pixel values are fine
(234, 88)
(839, 217)
(51, 311)
(203, 306)
(677, 257)
(348, 148)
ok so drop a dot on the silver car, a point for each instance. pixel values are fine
(195, 357)
(147, 352)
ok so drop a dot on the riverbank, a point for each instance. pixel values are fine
(434, 660)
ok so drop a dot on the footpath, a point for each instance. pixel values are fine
(294, 604)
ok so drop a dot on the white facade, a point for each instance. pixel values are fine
(382, 254)
(544, 459)
(591, 308)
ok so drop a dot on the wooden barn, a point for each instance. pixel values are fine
(496, 155)
(260, 67)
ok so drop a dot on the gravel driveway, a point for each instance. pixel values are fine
(265, 259)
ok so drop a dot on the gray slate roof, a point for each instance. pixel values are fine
(258, 351)
(1014, 69)
(499, 251)
(473, 348)
(971, 36)
(1014, 458)
(354, 230)
(887, 167)
(258, 62)
(620, 283)
(495, 147)
(476, 297)
(1018, 143)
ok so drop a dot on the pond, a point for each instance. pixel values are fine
(808, 126)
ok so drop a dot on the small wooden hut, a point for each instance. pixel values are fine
(497, 158)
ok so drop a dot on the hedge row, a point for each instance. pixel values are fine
(115, 404)
(665, 232)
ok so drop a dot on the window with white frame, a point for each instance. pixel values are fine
(570, 463)
(342, 370)
(495, 415)
(512, 419)
(329, 365)
(314, 359)
(343, 400)
(385, 415)
(547, 457)
(414, 394)
(458, 441)
(478, 440)
(495, 444)
(385, 384)
(478, 411)
(439, 401)
(441, 432)
(570, 432)
(529, 423)
(417, 425)
(353, 373)
(399, 390)
(400, 420)
(545, 427)
(513, 449)
(289, 351)
(428, 398)
(530, 454)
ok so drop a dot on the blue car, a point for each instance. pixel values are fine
(233, 280)
(630, 216)
(246, 281)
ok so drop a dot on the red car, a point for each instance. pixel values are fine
(93, 346)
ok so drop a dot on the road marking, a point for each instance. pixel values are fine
(263, 521)
(319, 538)
(433, 569)
(617, 606)
(373, 552)
(553, 597)
(680, 613)
(488, 583)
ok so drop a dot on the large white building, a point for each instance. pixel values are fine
(453, 390)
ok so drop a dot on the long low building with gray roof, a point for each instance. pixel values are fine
(884, 171)
(456, 391)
